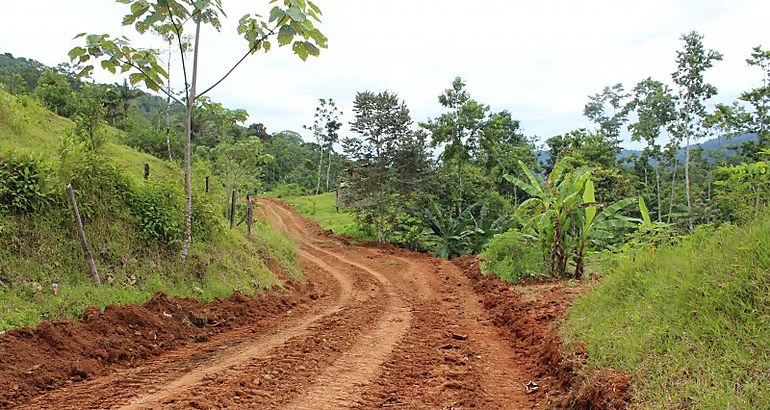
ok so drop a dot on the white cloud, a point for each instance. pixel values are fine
(540, 60)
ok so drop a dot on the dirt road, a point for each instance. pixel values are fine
(383, 328)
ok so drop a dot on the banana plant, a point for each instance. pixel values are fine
(592, 224)
(549, 212)
(450, 234)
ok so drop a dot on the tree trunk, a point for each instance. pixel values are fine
(320, 163)
(168, 104)
(657, 191)
(673, 189)
(187, 237)
(687, 180)
(329, 169)
(558, 259)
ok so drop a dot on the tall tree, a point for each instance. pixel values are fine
(325, 126)
(692, 62)
(655, 111)
(459, 128)
(291, 21)
(382, 123)
(607, 110)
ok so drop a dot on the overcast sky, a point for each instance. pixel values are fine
(538, 59)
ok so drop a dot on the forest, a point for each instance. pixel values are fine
(577, 206)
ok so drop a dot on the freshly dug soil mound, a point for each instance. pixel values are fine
(526, 314)
(55, 353)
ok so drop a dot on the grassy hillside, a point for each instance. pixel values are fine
(133, 226)
(689, 322)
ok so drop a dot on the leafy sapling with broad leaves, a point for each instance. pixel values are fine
(291, 21)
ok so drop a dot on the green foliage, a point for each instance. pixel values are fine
(99, 185)
(56, 94)
(688, 321)
(25, 183)
(512, 256)
(159, 209)
(451, 235)
(154, 142)
(288, 190)
(562, 213)
(744, 190)
(238, 164)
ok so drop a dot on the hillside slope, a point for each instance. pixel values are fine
(689, 322)
(132, 224)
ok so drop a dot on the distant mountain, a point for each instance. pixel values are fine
(714, 144)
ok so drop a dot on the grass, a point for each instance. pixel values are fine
(690, 322)
(26, 126)
(40, 249)
(322, 210)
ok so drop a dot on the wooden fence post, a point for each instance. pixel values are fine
(82, 235)
(232, 210)
(249, 216)
(146, 170)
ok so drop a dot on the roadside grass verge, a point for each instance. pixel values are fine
(689, 322)
(322, 210)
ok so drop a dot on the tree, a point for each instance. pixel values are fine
(382, 122)
(692, 62)
(290, 20)
(325, 126)
(55, 93)
(606, 109)
(459, 129)
(655, 110)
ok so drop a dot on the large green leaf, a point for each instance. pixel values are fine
(531, 190)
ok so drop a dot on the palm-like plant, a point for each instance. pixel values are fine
(548, 213)
(450, 233)
(562, 213)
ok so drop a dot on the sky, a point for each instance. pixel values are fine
(540, 60)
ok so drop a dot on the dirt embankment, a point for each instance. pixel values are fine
(59, 353)
(527, 315)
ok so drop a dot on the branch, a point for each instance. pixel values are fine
(148, 78)
(251, 50)
(181, 51)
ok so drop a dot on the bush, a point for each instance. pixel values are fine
(511, 256)
(159, 208)
(206, 221)
(286, 190)
(98, 183)
(25, 183)
(154, 143)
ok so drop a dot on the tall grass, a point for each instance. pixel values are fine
(690, 323)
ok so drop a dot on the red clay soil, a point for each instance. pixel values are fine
(57, 353)
(526, 315)
(375, 327)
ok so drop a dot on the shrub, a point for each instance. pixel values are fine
(159, 207)
(285, 190)
(154, 143)
(512, 256)
(25, 183)
(98, 183)
(206, 221)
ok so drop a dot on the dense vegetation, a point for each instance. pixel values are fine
(681, 226)
(688, 320)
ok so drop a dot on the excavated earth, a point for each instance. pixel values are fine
(373, 327)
